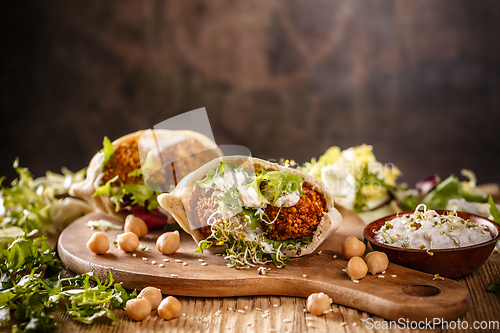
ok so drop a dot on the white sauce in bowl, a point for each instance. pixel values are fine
(428, 230)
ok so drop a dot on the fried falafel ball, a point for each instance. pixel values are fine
(300, 220)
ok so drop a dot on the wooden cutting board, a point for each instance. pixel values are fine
(398, 293)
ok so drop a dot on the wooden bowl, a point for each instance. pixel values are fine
(450, 263)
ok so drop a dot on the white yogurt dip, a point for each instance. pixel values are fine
(428, 230)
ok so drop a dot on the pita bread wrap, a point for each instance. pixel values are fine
(247, 206)
(188, 149)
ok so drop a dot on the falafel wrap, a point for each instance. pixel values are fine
(255, 211)
(128, 174)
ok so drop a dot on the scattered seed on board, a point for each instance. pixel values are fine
(309, 318)
(203, 263)
(184, 264)
(241, 311)
(178, 260)
(393, 275)
(275, 305)
(343, 324)
(304, 275)
(200, 260)
(334, 256)
(286, 320)
(249, 324)
(245, 307)
(153, 262)
(161, 265)
(355, 281)
(174, 275)
(354, 324)
(343, 269)
(381, 276)
(134, 254)
(383, 272)
(166, 260)
(230, 309)
(205, 320)
(144, 258)
(309, 324)
(184, 314)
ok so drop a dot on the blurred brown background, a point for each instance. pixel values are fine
(419, 80)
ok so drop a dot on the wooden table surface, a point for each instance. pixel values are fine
(287, 314)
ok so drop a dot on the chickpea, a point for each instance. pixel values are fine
(356, 268)
(128, 241)
(377, 262)
(318, 303)
(98, 243)
(136, 225)
(168, 242)
(169, 308)
(352, 247)
(153, 295)
(138, 308)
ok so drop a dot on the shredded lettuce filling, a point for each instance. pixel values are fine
(237, 226)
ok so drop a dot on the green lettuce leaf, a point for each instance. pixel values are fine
(108, 150)
(446, 190)
(494, 210)
(138, 193)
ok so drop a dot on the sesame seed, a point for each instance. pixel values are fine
(249, 324)
(258, 309)
(286, 320)
(393, 275)
(204, 264)
(355, 281)
(230, 309)
(343, 269)
(275, 305)
(184, 264)
(362, 319)
(227, 327)
(381, 276)
(309, 318)
(174, 275)
(205, 320)
(383, 272)
(265, 315)
(178, 260)
(309, 324)
(325, 312)
(144, 258)
(334, 256)
(134, 255)
(245, 307)
(354, 324)
(200, 259)
(153, 262)
(241, 311)
(166, 260)
(304, 275)
(343, 324)
(161, 265)
(184, 314)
